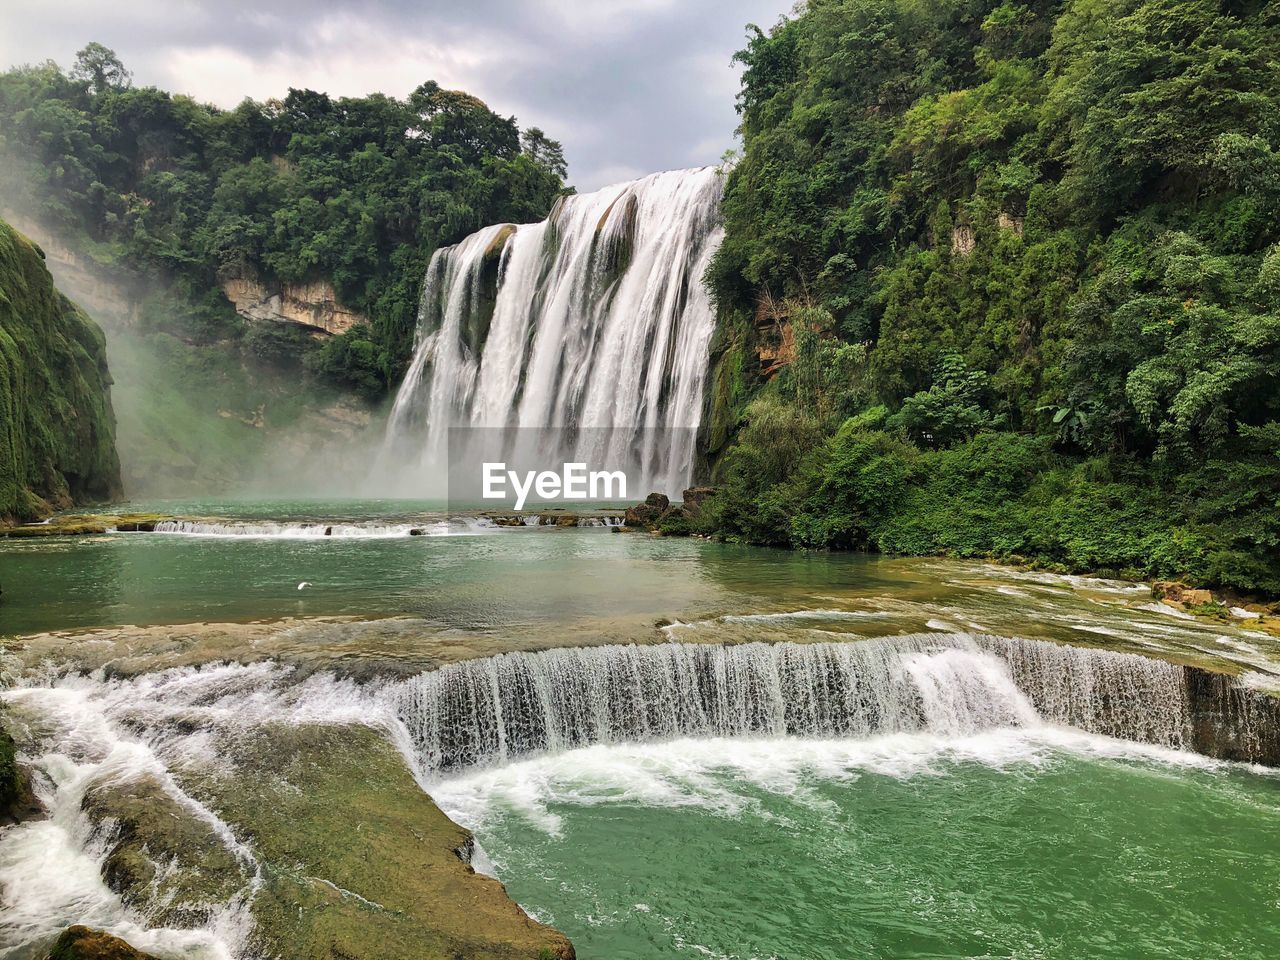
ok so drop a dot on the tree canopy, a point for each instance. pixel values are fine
(357, 190)
(1055, 219)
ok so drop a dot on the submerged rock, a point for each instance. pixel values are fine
(82, 943)
(162, 858)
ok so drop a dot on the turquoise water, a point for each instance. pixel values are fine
(1039, 845)
(1006, 845)
(561, 586)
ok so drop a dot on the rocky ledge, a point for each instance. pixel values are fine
(314, 305)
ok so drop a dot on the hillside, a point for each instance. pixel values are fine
(258, 269)
(57, 443)
(1003, 280)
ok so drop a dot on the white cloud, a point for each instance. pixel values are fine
(629, 86)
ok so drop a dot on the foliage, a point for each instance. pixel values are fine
(359, 191)
(57, 431)
(1052, 230)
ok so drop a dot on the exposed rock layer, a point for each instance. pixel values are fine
(314, 304)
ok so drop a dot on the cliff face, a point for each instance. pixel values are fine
(313, 304)
(57, 428)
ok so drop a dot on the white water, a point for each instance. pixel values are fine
(489, 712)
(314, 531)
(595, 320)
(690, 772)
(51, 869)
(646, 721)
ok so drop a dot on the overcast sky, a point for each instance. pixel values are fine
(629, 86)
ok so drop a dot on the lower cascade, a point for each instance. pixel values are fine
(595, 321)
(489, 711)
(181, 737)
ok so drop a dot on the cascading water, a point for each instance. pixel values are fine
(595, 321)
(174, 729)
(489, 711)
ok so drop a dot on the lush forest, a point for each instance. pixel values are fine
(1003, 279)
(182, 195)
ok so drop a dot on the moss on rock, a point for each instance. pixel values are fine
(81, 943)
(57, 429)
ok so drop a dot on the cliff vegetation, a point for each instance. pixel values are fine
(183, 197)
(1003, 279)
(57, 430)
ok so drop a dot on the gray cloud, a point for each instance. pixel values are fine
(629, 86)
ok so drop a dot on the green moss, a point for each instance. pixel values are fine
(81, 943)
(57, 429)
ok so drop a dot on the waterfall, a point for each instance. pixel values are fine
(593, 324)
(488, 711)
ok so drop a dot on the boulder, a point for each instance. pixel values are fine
(1179, 594)
(647, 514)
(17, 800)
(694, 497)
(82, 943)
(674, 522)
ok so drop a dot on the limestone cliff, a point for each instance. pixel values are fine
(314, 304)
(57, 428)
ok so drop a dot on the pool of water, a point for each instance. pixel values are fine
(543, 585)
(1021, 844)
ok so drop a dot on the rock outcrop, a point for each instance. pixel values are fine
(658, 514)
(82, 943)
(647, 514)
(313, 305)
(17, 800)
(57, 427)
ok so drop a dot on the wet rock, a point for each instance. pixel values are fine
(81, 943)
(17, 800)
(163, 859)
(557, 520)
(647, 514)
(358, 862)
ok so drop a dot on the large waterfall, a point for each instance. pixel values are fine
(595, 321)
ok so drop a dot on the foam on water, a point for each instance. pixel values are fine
(720, 775)
(655, 725)
(320, 531)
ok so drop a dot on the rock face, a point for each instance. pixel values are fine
(81, 943)
(81, 278)
(1230, 721)
(314, 304)
(57, 428)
